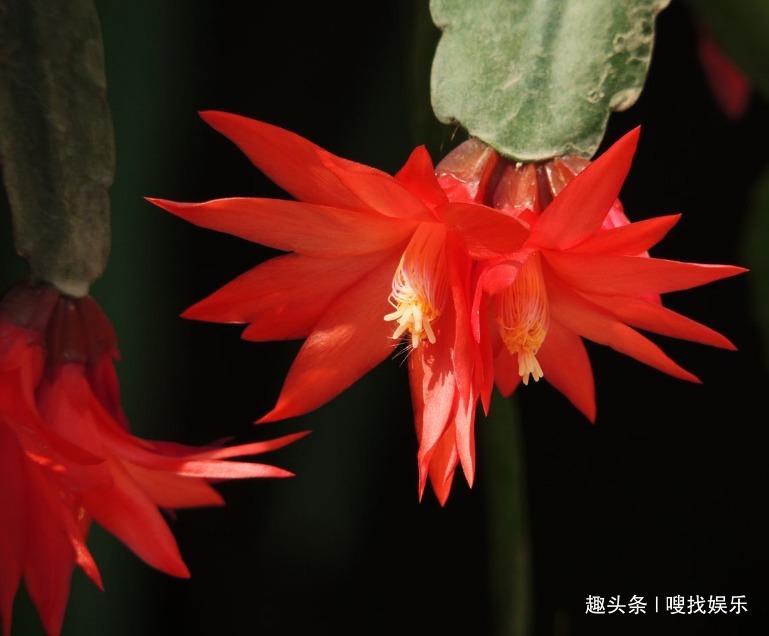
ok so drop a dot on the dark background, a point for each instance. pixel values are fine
(664, 495)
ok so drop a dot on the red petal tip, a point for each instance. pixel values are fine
(215, 118)
(208, 115)
(272, 416)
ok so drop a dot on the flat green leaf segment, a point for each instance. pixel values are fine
(536, 79)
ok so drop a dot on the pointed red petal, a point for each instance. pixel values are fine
(295, 164)
(658, 319)
(566, 366)
(312, 174)
(170, 491)
(506, 373)
(418, 175)
(255, 448)
(590, 321)
(631, 239)
(349, 340)
(125, 511)
(633, 275)
(56, 541)
(466, 351)
(285, 297)
(433, 384)
(483, 232)
(13, 537)
(580, 208)
(464, 425)
(443, 459)
(316, 230)
(48, 573)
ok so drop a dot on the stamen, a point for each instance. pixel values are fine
(419, 286)
(523, 318)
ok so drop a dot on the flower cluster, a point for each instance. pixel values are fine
(490, 271)
(67, 456)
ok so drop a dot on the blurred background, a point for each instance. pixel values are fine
(663, 496)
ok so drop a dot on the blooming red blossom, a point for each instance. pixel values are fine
(583, 272)
(67, 456)
(370, 262)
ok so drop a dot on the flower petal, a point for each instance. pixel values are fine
(169, 490)
(433, 385)
(56, 541)
(297, 165)
(442, 460)
(293, 226)
(349, 340)
(580, 208)
(13, 533)
(566, 366)
(483, 232)
(590, 321)
(633, 275)
(464, 426)
(254, 448)
(506, 374)
(631, 239)
(432, 399)
(418, 176)
(283, 298)
(651, 316)
(312, 174)
(125, 511)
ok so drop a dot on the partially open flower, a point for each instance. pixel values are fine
(67, 456)
(370, 263)
(583, 272)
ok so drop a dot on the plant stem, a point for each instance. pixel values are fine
(503, 451)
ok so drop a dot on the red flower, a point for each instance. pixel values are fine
(730, 86)
(370, 262)
(584, 272)
(67, 457)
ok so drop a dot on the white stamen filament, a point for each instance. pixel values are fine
(419, 287)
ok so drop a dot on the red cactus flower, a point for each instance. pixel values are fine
(370, 262)
(583, 272)
(67, 457)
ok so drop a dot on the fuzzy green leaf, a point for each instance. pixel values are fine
(536, 79)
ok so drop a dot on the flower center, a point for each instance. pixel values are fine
(523, 318)
(419, 286)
